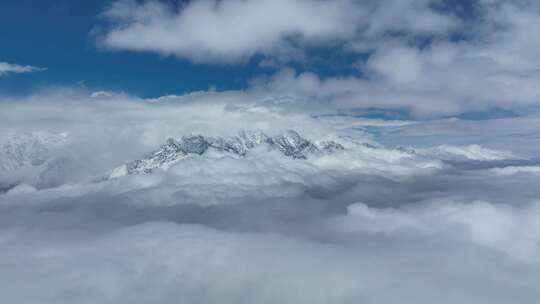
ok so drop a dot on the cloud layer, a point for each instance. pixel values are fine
(410, 221)
(438, 210)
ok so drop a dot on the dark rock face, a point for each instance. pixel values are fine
(194, 144)
(137, 166)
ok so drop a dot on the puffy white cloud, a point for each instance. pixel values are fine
(12, 68)
(234, 30)
(422, 56)
(443, 79)
(493, 66)
(511, 229)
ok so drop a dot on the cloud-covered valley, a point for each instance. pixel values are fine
(397, 214)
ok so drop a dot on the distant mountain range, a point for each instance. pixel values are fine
(39, 159)
(290, 144)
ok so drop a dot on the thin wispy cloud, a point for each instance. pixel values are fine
(11, 68)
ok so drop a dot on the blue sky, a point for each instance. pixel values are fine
(56, 34)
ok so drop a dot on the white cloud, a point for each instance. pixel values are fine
(234, 30)
(406, 16)
(421, 57)
(11, 68)
(515, 134)
(493, 67)
(510, 229)
(223, 30)
(262, 228)
(513, 170)
(470, 152)
(164, 262)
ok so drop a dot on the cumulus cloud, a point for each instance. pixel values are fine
(479, 222)
(423, 56)
(11, 68)
(489, 66)
(223, 30)
(230, 31)
(262, 227)
(442, 79)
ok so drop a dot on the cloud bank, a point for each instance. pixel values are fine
(441, 209)
(405, 221)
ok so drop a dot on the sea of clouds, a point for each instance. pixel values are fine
(427, 207)
(438, 211)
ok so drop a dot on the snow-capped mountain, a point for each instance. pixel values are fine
(290, 144)
(28, 149)
(28, 157)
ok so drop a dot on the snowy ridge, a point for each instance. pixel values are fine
(290, 144)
